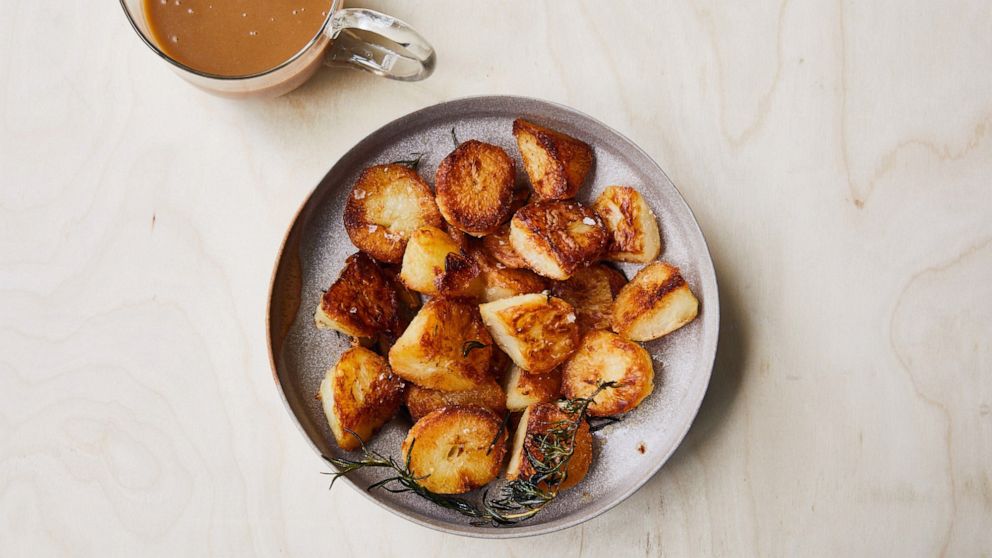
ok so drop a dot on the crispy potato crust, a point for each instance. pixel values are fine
(604, 356)
(388, 203)
(537, 331)
(656, 302)
(555, 238)
(475, 187)
(591, 290)
(422, 401)
(360, 394)
(453, 449)
(438, 349)
(537, 420)
(362, 302)
(557, 164)
(634, 234)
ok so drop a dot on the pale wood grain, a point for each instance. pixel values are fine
(837, 155)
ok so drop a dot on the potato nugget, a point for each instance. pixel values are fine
(591, 290)
(524, 389)
(656, 302)
(360, 393)
(537, 331)
(634, 234)
(536, 422)
(555, 238)
(500, 281)
(557, 164)
(422, 401)
(499, 247)
(434, 264)
(456, 449)
(446, 347)
(363, 302)
(388, 203)
(604, 356)
(475, 187)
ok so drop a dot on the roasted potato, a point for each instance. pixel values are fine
(521, 197)
(500, 281)
(461, 239)
(433, 264)
(590, 290)
(657, 301)
(446, 347)
(634, 234)
(499, 247)
(474, 187)
(456, 449)
(363, 302)
(421, 401)
(537, 331)
(388, 203)
(604, 356)
(556, 164)
(524, 389)
(499, 364)
(536, 423)
(360, 393)
(555, 238)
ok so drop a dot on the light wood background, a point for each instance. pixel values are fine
(838, 156)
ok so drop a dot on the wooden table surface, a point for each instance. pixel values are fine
(838, 156)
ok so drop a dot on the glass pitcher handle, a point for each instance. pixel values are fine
(396, 51)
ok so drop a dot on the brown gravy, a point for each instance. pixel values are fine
(234, 37)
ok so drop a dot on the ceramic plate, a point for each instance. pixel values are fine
(627, 454)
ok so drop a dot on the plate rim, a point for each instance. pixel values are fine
(712, 306)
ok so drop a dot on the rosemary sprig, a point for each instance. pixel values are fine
(523, 498)
(520, 499)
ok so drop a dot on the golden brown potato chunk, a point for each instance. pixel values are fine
(634, 234)
(500, 281)
(475, 187)
(536, 423)
(388, 203)
(590, 290)
(422, 401)
(656, 302)
(359, 394)
(433, 264)
(557, 164)
(524, 389)
(456, 449)
(604, 356)
(363, 302)
(499, 247)
(446, 347)
(555, 238)
(537, 331)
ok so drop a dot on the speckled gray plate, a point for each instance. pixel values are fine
(626, 454)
